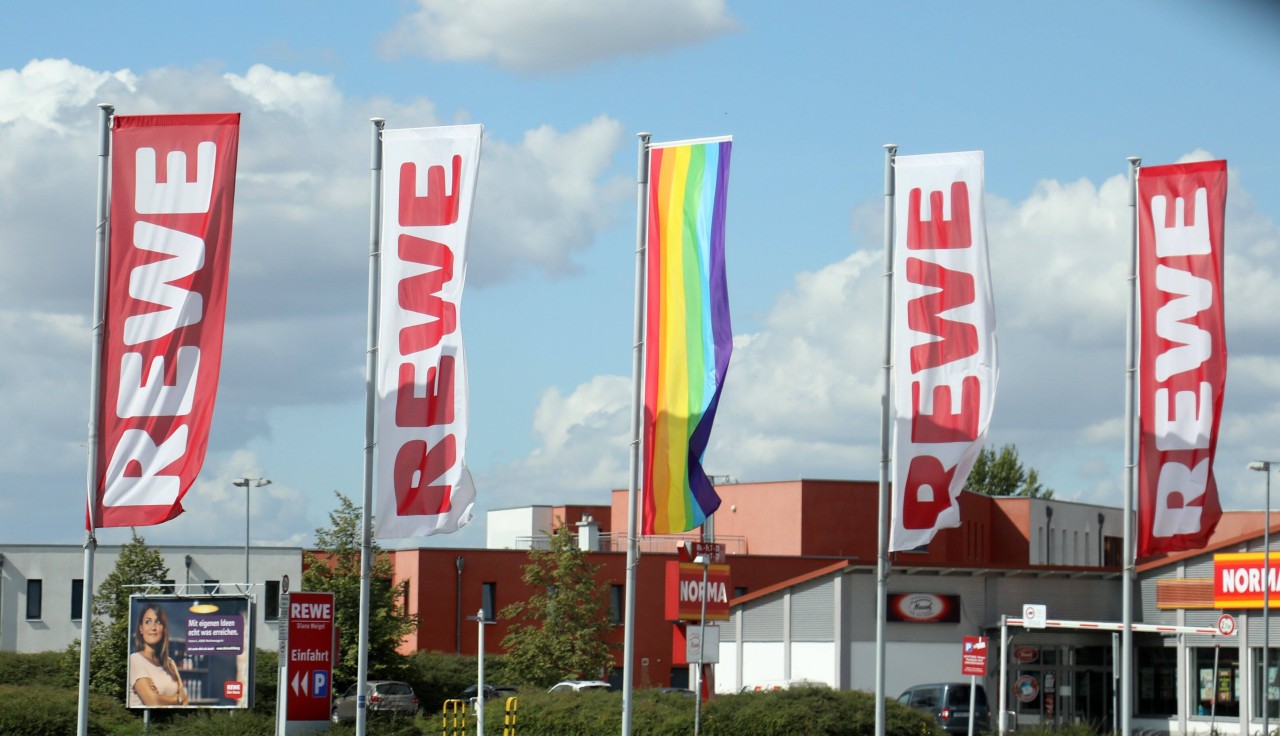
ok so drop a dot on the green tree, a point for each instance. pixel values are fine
(1002, 474)
(336, 569)
(137, 567)
(559, 632)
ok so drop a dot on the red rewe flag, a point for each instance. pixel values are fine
(1182, 352)
(173, 188)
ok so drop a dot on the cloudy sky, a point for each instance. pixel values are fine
(1056, 94)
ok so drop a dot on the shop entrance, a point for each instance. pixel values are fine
(1062, 684)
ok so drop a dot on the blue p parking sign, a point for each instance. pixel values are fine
(320, 684)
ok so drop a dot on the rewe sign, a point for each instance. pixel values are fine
(309, 674)
(685, 592)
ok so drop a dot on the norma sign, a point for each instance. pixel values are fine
(309, 676)
(1238, 580)
(973, 656)
(684, 592)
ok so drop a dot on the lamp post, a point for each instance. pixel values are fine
(1265, 467)
(705, 561)
(246, 484)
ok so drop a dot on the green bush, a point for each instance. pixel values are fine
(39, 710)
(437, 677)
(266, 676)
(42, 668)
(815, 711)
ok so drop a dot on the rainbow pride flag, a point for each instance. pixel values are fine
(688, 338)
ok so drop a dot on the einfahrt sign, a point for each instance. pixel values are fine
(309, 674)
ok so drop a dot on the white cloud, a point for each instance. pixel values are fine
(43, 90)
(541, 201)
(555, 34)
(302, 94)
(582, 453)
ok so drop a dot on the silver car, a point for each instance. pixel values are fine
(385, 696)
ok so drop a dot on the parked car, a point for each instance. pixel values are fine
(578, 686)
(949, 703)
(385, 696)
(491, 692)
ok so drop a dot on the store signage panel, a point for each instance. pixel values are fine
(924, 608)
(1238, 580)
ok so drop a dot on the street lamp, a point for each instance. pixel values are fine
(1265, 467)
(705, 561)
(246, 484)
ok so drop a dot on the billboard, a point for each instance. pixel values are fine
(190, 652)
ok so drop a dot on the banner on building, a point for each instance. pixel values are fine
(172, 194)
(688, 337)
(1182, 352)
(1240, 580)
(188, 652)
(428, 184)
(944, 340)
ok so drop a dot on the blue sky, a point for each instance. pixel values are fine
(1056, 94)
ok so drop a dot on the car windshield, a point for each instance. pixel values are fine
(395, 688)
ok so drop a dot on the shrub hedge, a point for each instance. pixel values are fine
(41, 706)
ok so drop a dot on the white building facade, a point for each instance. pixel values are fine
(41, 587)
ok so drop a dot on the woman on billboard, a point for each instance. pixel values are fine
(153, 675)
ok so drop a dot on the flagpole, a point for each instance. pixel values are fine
(637, 407)
(370, 404)
(1130, 416)
(105, 112)
(882, 553)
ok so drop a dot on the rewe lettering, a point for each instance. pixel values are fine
(424, 396)
(1184, 402)
(164, 305)
(942, 412)
(311, 611)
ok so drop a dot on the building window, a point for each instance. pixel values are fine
(1157, 671)
(1215, 682)
(488, 601)
(77, 599)
(739, 591)
(35, 599)
(271, 601)
(166, 587)
(211, 587)
(1273, 692)
(615, 604)
(1112, 548)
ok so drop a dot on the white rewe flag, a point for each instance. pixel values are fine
(428, 183)
(944, 335)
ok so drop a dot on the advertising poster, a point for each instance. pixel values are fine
(188, 652)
